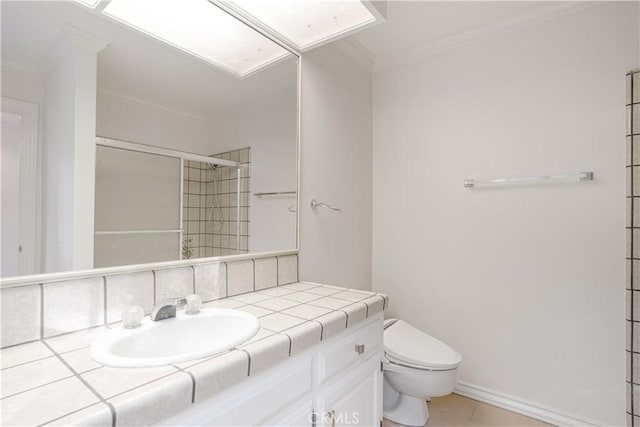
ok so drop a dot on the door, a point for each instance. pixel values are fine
(10, 153)
(19, 224)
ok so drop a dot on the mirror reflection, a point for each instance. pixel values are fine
(121, 146)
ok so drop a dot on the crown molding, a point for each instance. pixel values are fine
(416, 53)
(70, 40)
(138, 101)
(356, 51)
(14, 67)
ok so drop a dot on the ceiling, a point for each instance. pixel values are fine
(134, 64)
(144, 68)
(411, 24)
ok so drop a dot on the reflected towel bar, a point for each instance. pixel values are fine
(580, 176)
(315, 204)
(276, 194)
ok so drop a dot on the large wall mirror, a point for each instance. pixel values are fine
(126, 140)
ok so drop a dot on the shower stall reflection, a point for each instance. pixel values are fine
(152, 207)
(211, 205)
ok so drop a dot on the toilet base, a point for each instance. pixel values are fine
(408, 410)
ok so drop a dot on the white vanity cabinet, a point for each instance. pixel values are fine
(335, 383)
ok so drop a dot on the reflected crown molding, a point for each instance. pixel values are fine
(416, 53)
(69, 41)
(132, 100)
(14, 67)
(356, 51)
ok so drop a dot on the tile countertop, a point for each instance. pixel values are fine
(55, 381)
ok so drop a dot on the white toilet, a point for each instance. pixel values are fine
(416, 368)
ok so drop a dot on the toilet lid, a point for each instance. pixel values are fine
(404, 343)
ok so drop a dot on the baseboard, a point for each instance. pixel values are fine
(520, 406)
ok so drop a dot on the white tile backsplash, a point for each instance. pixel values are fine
(20, 316)
(73, 305)
(240, 277)
(124, 290)
(55, 309)
(266, 273)
(287, 269)
(174, 282)
(211, 281)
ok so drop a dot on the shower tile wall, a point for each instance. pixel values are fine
(633, 247)
(204, 235)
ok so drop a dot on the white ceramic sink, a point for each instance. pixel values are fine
(185, 337)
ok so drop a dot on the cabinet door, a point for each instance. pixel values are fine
(296, 415)
(352, 400)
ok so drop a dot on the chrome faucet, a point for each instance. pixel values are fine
(166, 308)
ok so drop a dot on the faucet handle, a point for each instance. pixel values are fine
(132, 316)
(193, 304)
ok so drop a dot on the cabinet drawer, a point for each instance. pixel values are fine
(357, 345)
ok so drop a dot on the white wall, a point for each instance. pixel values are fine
(133, 120)
(24, 84)
(10, 169)
(269, 127)
(336, 168)
(526, 282)
(21, 83)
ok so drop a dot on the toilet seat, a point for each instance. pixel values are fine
(410, 347)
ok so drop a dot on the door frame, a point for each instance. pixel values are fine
(29, 214)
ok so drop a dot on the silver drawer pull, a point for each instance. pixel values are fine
(359, 348)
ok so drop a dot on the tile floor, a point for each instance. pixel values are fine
(455, 410)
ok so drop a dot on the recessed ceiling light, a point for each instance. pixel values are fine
(305, 24)
(202, 29)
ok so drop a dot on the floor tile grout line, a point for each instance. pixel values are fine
(87, 384)
(27, 390)
(193, 382)
(26, 363)
(71, 413)
(249, 360)
(143, 384)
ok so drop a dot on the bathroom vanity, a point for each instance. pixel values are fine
(316, 360)
(338, 382)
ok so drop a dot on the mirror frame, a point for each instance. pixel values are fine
(17, 281)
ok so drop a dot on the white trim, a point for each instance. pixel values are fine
(28, 189)
(35, 279)
(413, 54)
(152, 149)
(121, 232)
(14, 67)
(356, 51)
(181, 211)
(521, 406)
(377, 17)
(69, 37)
